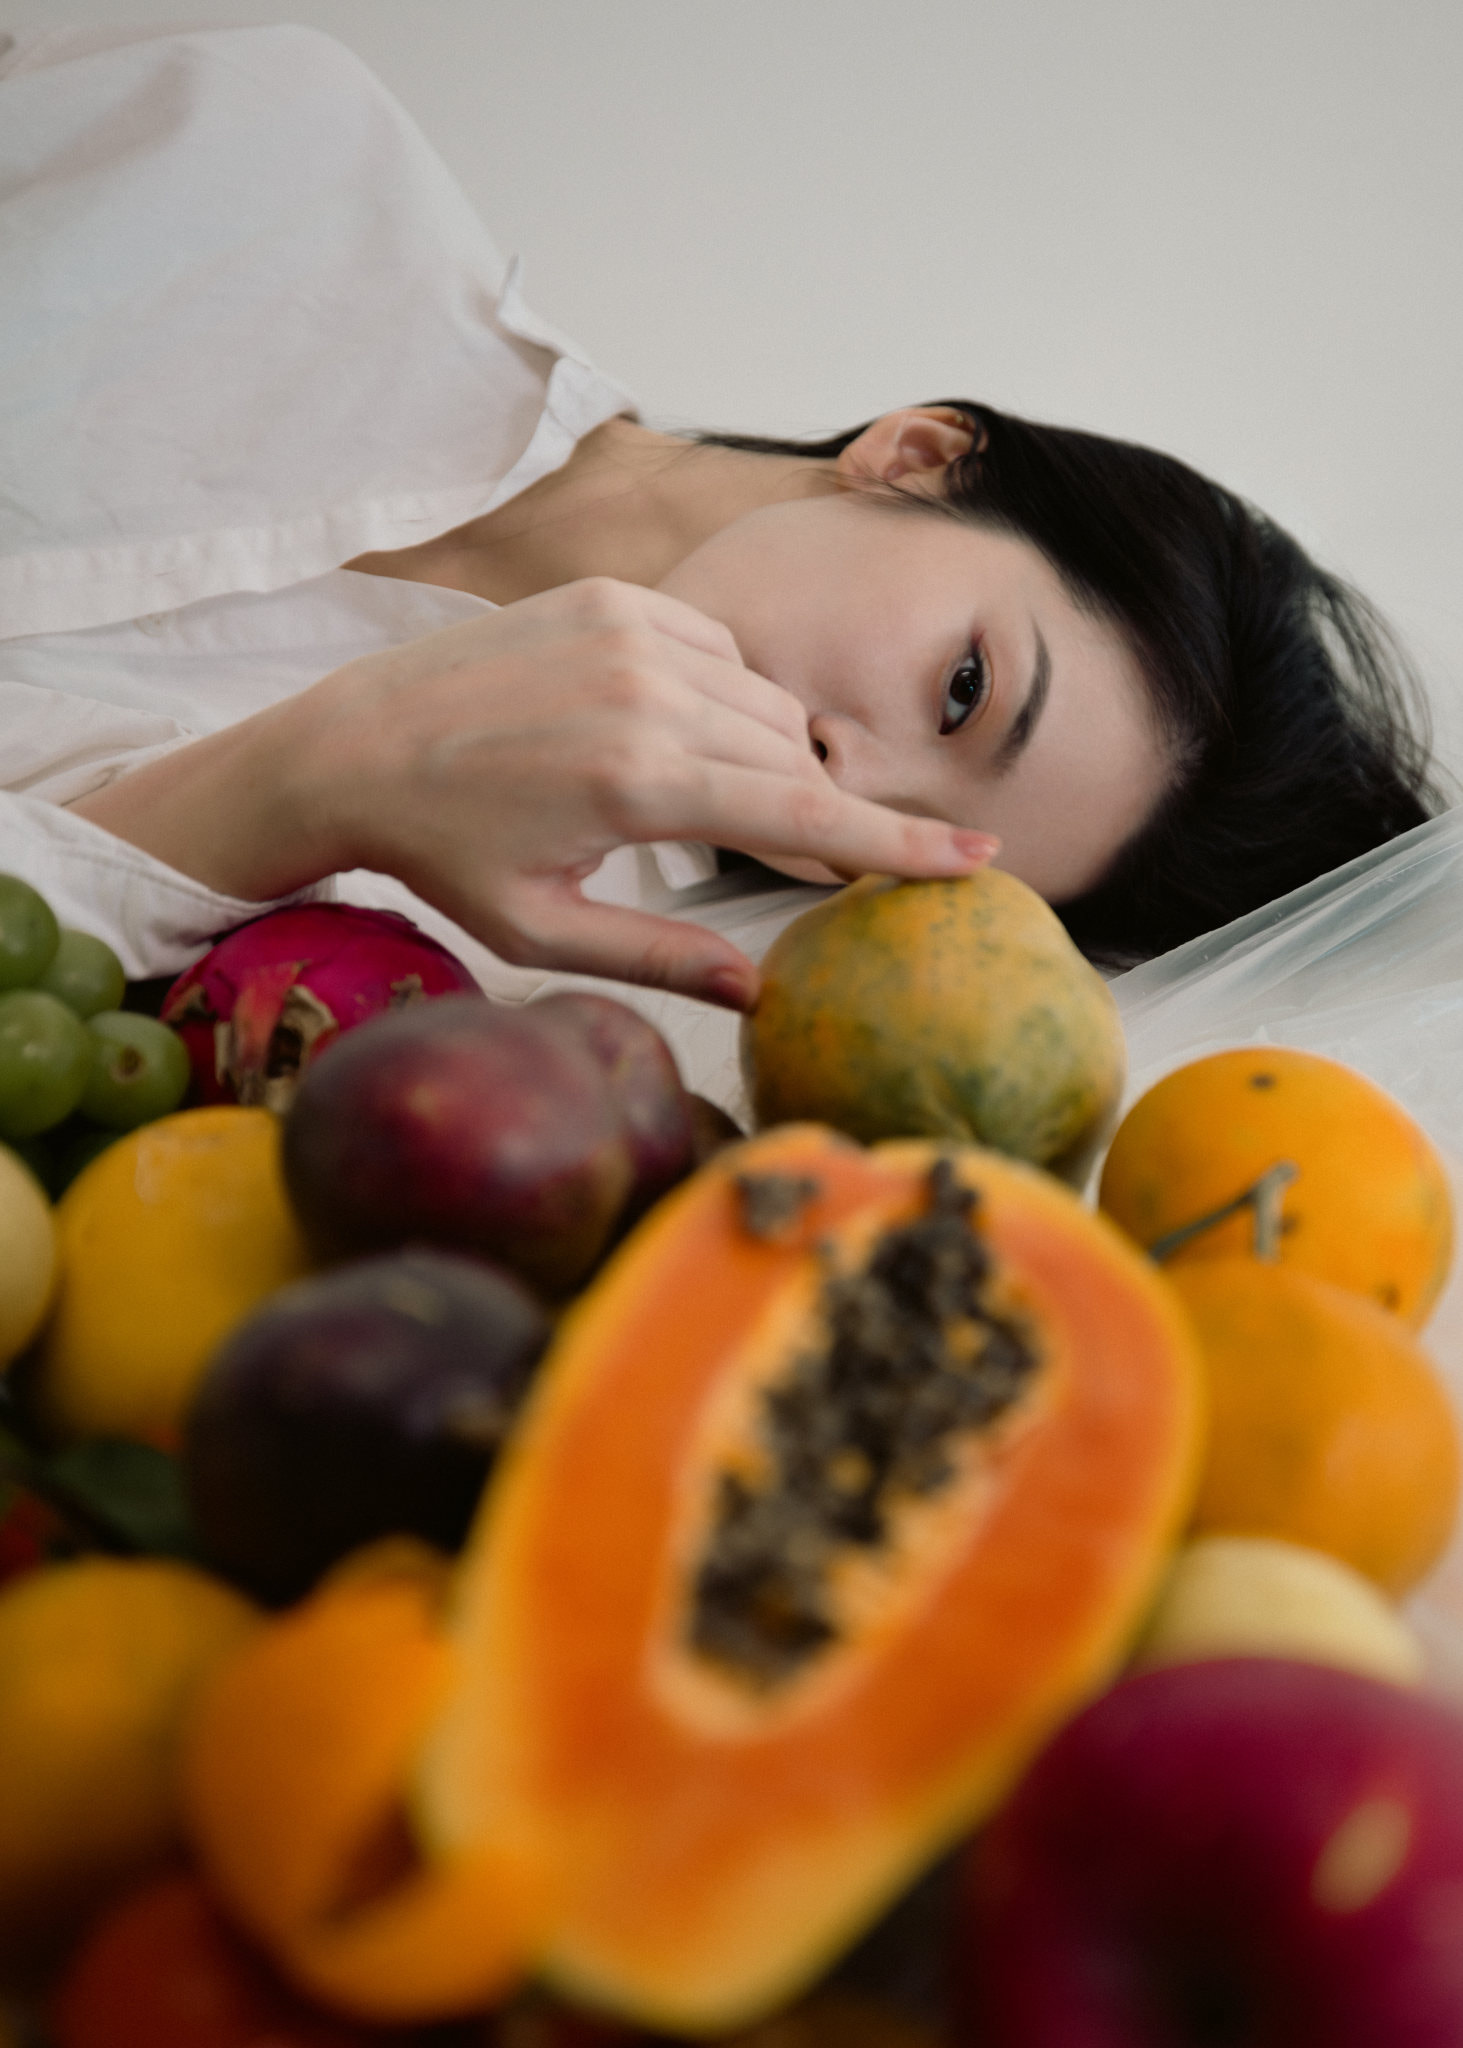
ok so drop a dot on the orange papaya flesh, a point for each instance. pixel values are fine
(723, 1819)
(293, 1776)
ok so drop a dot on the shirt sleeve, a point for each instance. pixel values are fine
(253, 328)
(51, 46)
(155, 920)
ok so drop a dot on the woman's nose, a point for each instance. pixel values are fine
(846, 750)
(849, 752)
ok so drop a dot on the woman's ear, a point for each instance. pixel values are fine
(917, 441)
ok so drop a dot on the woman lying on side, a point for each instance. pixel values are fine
(324, 556)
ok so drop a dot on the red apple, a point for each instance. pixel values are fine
(659, 1117)
(164, 1969)
(363, 1402)
(463, 1124)
(1247, 1853)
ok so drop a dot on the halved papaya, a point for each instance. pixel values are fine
(850, 1477)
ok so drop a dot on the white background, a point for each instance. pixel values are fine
(1232, 231)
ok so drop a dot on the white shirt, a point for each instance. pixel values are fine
(250, 328)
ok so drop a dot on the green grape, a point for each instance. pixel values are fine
(139, 1070)
(45, 1057)
(29, 933)
(85, 974)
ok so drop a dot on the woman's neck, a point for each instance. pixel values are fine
(629, 503)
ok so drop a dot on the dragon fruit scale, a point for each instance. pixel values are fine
(268, 998)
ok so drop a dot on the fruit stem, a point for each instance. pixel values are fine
(1266, 1197)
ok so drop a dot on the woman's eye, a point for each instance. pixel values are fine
(966, 691)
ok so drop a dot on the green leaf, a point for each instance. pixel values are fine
(114, 1495)
(131, 1488)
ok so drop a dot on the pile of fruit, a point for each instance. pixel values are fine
(75, 1067)
(491, 1555)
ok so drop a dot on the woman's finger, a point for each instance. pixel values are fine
(770, 814)
(601, 602)
(559, 928)
(636, 671)
(686, 729)
(622, 611)
(854, 837)
(751, 694)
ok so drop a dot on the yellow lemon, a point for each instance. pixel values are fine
(27, 1255)
(168, 1240)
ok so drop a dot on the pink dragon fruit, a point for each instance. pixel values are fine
(271, 995)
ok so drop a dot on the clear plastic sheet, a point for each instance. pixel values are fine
(1364, 965)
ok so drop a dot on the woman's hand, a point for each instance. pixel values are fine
(493, 765)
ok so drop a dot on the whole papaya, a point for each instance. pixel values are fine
(948, 1009)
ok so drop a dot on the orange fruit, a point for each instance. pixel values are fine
(99, 1664)
(293, 1785)
(167, 1240)
(1370, 1208)
(1328, 1424)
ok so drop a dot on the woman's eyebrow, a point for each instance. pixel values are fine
(1023, 725)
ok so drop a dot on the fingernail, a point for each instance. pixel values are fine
(976, 846)
(734, 991)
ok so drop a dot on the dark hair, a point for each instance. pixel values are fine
(1297, 731)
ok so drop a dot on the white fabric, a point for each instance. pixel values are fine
(253, 329)
(250, 328)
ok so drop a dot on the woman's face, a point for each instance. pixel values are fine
(945, 670)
